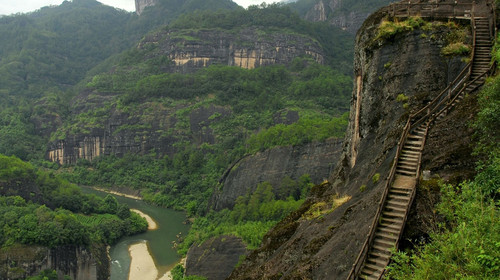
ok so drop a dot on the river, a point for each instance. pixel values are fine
(170, 224)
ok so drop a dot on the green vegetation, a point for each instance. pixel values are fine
(319, 209)
(47, 275)
(468, 244)
(257, 98)
(375, 178)
(470, 249)
(304, 131)
(388, 29)
(44, 216)
(252, 216)
(178, 274)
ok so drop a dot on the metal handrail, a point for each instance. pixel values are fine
(369, 238)
(427, 113)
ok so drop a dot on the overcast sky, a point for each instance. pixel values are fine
(8, 7)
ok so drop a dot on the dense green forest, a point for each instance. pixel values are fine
(319, 94)
(37, 207)
(42, 61)
(467, 244)
(253, 215)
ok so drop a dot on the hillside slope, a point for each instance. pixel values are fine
(393, 78)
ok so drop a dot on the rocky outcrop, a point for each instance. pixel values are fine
(315, 159)
(215, 258)
(140, 5)
(19, 262)
(345, 14)
(190, 50)
(326, 247)
(142, 132)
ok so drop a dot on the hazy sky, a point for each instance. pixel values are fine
(8, 7)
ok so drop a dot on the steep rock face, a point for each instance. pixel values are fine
(326, 247)
(315, 159)
(150, 127)
(19, 262)
(215, 258)
(140, 5)
(339, 13)
(147, 130)
(190, 50)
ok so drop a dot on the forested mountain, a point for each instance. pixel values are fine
(345, 14)
(174, 104)
(41, 60)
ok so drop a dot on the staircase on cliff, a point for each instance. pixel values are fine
(400, 191)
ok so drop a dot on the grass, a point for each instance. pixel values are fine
(317, 210)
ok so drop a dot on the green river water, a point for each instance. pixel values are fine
(170, 223)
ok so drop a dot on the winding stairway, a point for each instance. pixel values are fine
(400, 190)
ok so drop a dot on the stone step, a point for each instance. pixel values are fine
(384, 243)
(395, 209)
(393, 230)
(406, 173)
(368, 277)
(370, 274)
(406, 167)
(412, 148)
(380, 262)
(380, 255)
(393, 202)
(388, 213)
(387, 236)
(392, 220)
(399, 191)
(396, 196)
(409, 159)
(413, 143)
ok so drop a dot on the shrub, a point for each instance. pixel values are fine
(458, 48)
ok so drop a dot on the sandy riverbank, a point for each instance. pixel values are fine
(151, 223)
(142, 265)
(118, 193)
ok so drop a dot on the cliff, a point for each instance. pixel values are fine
(315, 159)
(19, 262)
(221, 252)
(189, 50)
(102, 127)
(325, 247)
(140, 5)
(345, 14)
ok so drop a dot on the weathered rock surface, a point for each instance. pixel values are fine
(149, 129)
(140, 5)
(326, 247)
(190, 50)
(215, 258)
(19, 262)
(315, 159)
(345, 14)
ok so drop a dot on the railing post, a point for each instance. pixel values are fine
(449, 92)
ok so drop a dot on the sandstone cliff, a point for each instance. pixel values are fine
(140, 5)
(325, 247)
(156, 127)
(249, 48)
(315, 159)
(215, 258)
(19, 262)
(345, 14)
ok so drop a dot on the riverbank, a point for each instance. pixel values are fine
(117, 193)
(142, 265)
(151, 223)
